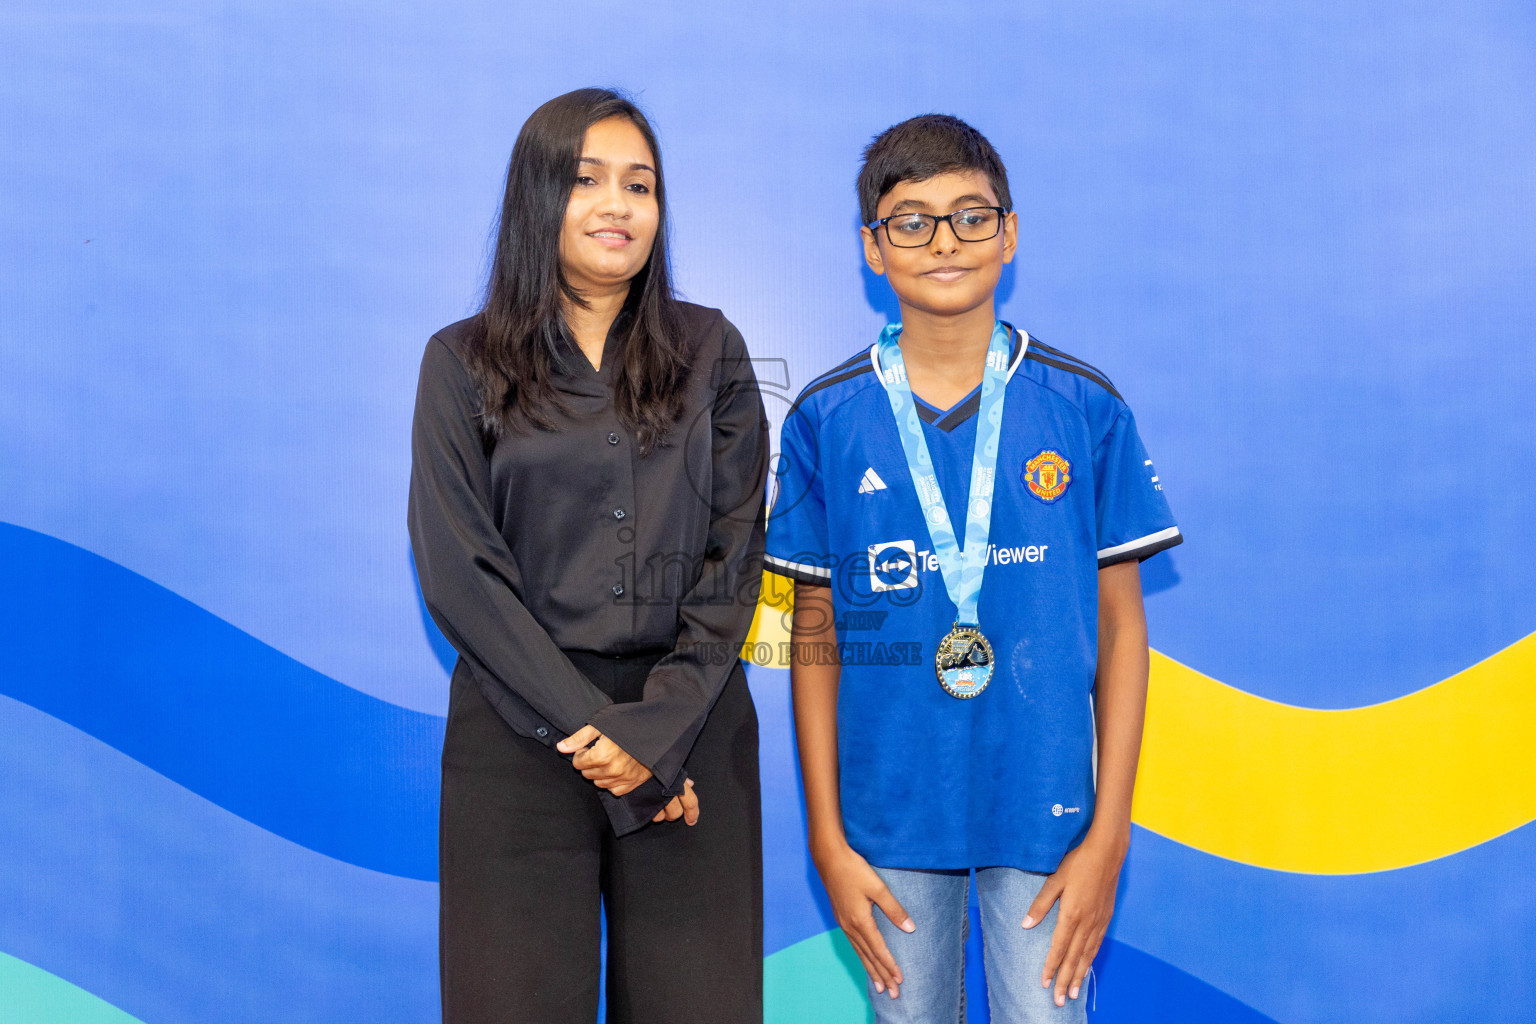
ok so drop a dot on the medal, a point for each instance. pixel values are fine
(963, 660)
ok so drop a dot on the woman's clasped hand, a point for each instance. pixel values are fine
(609, 766)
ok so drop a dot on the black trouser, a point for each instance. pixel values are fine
(526, 851)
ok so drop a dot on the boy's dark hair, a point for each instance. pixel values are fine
(922, 147)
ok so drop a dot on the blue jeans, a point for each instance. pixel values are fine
(932, 959)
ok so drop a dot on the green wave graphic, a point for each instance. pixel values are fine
(816, 981)
(30, 995)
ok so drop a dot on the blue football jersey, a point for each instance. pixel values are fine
(1004, 778)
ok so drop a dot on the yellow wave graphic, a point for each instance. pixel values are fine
(768, 639)
(1316, 791)
(1339, 792)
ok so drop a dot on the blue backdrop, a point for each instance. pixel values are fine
(1298, 237)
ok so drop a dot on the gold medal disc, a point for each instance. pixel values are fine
(963, 662)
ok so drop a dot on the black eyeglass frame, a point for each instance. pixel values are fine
(1002, 213)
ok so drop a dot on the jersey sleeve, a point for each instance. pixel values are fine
(797, 544)
(1134, 520)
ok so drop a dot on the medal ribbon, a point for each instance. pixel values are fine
(962, 569)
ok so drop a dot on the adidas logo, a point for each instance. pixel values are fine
(871, 482)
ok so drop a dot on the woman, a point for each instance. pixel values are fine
(586, 515)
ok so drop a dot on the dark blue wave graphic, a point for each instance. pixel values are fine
(1435, 943)
(216, 710)
(136, 890)
(1132, 987)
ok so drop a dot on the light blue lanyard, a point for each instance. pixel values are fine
(962, 570)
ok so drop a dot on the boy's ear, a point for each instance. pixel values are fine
(1010, 235)
(872, 251)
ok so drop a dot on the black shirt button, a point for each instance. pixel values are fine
(542, 732)
(618, 513)
(613, 438)
(618, 590)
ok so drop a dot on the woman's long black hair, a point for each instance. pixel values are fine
(518, 340)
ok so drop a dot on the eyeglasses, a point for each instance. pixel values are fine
(912, 230)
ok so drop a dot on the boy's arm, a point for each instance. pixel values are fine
(851, 883)
(1085, 881)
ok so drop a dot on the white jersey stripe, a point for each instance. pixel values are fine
(807, 570)
(1023, 348)
(1140, 542)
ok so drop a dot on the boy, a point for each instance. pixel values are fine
(974, 503)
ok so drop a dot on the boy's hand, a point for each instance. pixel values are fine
(603, 761)
(853, 887)
(685, 806)
(1085, 884)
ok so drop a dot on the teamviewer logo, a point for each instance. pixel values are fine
(893, 566)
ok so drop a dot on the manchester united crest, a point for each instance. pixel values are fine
(1047, 475)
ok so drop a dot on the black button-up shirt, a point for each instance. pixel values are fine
(569, 540)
